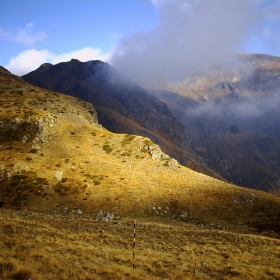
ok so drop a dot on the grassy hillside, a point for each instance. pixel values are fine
(122, 105)
(37, 246)
(59, 168)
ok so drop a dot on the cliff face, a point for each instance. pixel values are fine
(122, 105)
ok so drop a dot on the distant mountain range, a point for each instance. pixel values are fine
(232, 119)
(223, 121)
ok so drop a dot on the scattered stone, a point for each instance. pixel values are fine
(24, 139)
(108, 217)
(21, 166)
(36, 146)
(58, 175)
(174, 161)
(105, 216)
(155, 154)
(80, 212)
(36, 140)
(184, 215)
(164, 156)
(99, 216)
(17, 120)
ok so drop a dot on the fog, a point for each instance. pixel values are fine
(238, 106)
(190, 35)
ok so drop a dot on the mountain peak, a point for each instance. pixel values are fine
(75, 60)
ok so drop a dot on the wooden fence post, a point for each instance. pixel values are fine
(134, 240)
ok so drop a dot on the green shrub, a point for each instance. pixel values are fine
(127, 139)
(41, 180)
(107, 148)
(148, 142)
(61, 189)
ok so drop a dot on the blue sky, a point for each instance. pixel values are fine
(35, 31)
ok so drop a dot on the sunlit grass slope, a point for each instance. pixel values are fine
(42, 247)
(59, 168)
(54, 155)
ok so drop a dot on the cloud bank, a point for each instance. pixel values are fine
(190, 35)
(31, 59)
(238, 107)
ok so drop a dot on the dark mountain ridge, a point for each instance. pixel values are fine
(100, 84)
(121, 104)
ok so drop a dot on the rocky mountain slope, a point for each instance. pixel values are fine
(232, 119)
(55, 158)
(122, 105)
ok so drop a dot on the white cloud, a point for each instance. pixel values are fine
(25, 35)
(84, 54)
(28, 60)
(190, 34)
(249, 107)
(31, 59)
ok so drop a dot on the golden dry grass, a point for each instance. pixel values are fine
(38, 246)
(105, 171)
(116, 173)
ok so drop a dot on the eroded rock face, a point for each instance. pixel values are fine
(25, 130)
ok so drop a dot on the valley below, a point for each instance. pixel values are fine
(231, 119)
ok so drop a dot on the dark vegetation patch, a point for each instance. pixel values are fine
(15, 190)
(13, 132)
(127, 139)
(22, 274)
(70, 188)
(107, 148)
